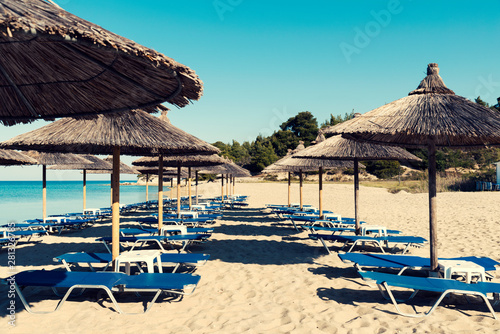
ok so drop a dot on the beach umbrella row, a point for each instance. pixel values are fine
(430, 117)
(337, 148)
(288, 164)
(179, 161)
(132, 133)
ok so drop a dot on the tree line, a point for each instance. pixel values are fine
(264, 151)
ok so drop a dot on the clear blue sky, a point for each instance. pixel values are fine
(264, 61)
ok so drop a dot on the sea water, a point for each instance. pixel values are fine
(21, 200)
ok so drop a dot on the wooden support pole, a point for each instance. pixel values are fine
(432, 205)
(115, 207)
(44, 192)
(172, 188)
(301, 180)
(356, 194)
(321, 192)
(234, 182)
(84, 190)
(178, 190)
(222, 187)
(147, 187)
(189, 187)
(160, 193)
(289, 189)
(196, 174)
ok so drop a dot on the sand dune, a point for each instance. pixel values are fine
(264, 277)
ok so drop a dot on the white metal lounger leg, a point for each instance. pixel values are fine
(324, 245)
(66, 295)
(444, 294)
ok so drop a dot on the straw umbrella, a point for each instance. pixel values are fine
(44, 159)
(12, 158)
(338, 148)
(55, 64)
(289, 164)
(431, 116)
(132, 133)
(180, 161)
(95, 164)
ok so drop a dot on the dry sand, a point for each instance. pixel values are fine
(267, 278)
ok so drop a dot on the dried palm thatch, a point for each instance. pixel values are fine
(95, 164)
(55, 64)
(124, 168)
(44, 158)
(227, 168)
(11, 158)
(181, 160)
(430, 111)
(166, 172)
(135, 132)
(338, 148)
(291, 164)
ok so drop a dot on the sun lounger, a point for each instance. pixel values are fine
(440, 285)
(184, 239)
(177, 259)
(403, 262)
(180, 284)
(377, 241)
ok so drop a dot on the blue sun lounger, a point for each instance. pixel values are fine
(177, 259)
(403, 262)
(171, 230)
(180, 284)
(184, 239)
(440, 285)
(377, 241)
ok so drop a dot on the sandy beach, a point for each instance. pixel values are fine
(265, 277)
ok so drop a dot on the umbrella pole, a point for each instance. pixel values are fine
(196, 174)
(160, 193)
(432, 205)
(44, 192)
(189, 187)
(172, 188)
(300, 189)
(178, 190)
(356, 193)
(111, 191)
(289, 189)
(321, 192)
(227, 186)
(222, 188)
(234, 183)
(147, 188)
(115, 207)
(84, 190)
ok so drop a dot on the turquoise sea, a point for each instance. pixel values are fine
(21, 200)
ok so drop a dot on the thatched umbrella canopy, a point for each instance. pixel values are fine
(430, 116)
(338, 148)
(94, 164)
(133, 133)
(12, 158)
(44, 159)
(181, 161)
(55, 64)
(289, 164)
(136, 132)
